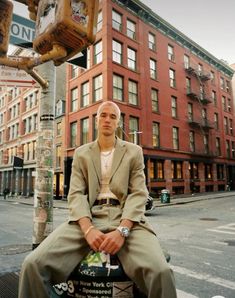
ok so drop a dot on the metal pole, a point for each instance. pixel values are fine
(43, 194)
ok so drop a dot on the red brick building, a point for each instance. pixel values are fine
(175, 98)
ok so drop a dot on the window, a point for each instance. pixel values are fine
(176, 170)
(212, 77)
(233, 149)
(206, 144)
(222, 83)
(120, 130)
(193, 170)
(154, 98)
(156, 134)
(172, 78)
(74, 100)
(88, 62)
(74, 71)
(220, 172)
(216, 121)
(175, 135)
(117, 87)
(214, 97)
(231, 127)
(226, 125)
(201, 92)
(188, 85)
(117, 52)
(204, 117)
(152, 41)
(58, 128)
(58, 156)
(171, 55)
(208, 171)
(174, 106)
(192, 141)
(217, 147)
(98, 52)
(156, 169)
(224, 103)
(94, 126)
(85, 94)
(99, 21)
(229, 109)
(227, 149)
(84, 131)
(73, 134)
(98, 83)
(134, 130)
(131, 58)
(153, 69)
(200, 69)
(130, 29)
(116, 20)
(133, 92)
(186, 61)
(228, 86)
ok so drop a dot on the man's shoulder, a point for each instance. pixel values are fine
(129, 145)
(85, 147)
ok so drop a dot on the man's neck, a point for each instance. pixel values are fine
(106, 143)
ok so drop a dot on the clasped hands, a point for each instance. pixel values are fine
(110, 242)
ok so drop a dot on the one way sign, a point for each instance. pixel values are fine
(22, 31)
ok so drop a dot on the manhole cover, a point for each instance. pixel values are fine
(208, 218)
(15, 249)
(230, 242)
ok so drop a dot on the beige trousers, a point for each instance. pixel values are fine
(56, 257)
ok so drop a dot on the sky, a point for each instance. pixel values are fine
(209, 23)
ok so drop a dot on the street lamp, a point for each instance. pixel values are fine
(135, 132)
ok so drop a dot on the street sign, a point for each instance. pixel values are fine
(22, 31)
(14, 77)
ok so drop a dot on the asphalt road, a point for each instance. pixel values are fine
(200, 236)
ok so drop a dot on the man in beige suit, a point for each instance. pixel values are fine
(106, 201)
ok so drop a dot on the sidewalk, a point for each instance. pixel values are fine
(174, 200)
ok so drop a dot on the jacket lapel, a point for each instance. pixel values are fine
(118, 155)
(95, 157)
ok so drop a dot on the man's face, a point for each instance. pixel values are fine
(107, 121)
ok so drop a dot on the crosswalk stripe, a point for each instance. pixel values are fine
(206, 277)
(226, 229)
(221, 231)
(182, 294)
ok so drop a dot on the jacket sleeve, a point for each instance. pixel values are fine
(78, 204)
(134, 207)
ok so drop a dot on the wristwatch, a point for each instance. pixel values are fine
(124, 231)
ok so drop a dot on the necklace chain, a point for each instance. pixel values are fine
(106, 154)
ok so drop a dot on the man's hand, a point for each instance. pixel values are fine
(95, 238)
(112, 242)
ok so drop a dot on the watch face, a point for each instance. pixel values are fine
(125, 232)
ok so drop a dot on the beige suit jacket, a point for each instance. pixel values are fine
(127, 181)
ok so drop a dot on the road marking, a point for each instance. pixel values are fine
(206, 249)
(226, 229)
(182, 294)
(206, 277)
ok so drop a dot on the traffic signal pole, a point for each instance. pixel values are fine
(43, 193)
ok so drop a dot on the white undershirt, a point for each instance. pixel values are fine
(106, 158)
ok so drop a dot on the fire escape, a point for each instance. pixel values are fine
(196, 90)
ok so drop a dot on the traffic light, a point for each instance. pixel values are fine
(6, 9)
(68, 24)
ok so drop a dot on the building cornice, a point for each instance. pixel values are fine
(148, 16)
